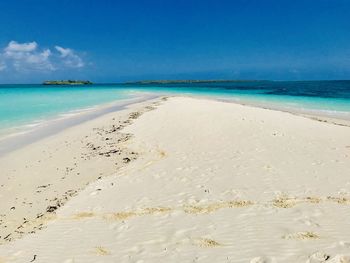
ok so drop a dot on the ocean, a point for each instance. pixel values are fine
(25, 106)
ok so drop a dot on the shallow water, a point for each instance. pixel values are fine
(316, 95)
(25, 106)
(31, 104)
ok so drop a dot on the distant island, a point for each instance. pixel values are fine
(186, 81)
(67, 82)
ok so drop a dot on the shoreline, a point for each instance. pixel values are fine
(58, 123)
(66, 120)
(205, 174)
(46, 127)
(317, 115)
(62, 165)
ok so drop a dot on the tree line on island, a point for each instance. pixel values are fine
(67, 82)
(188, 81)
(144, 82)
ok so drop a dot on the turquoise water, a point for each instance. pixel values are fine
(260, 97)
(29, 104)
(329, 98)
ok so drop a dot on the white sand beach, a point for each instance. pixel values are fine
(180, 180)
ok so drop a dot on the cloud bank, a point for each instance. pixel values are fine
(24, 57)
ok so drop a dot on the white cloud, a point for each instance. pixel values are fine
(70, 58)
(13, 46)
(64, 51)
(27, 57)
(24, 57)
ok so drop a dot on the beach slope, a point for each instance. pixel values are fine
(212, 182)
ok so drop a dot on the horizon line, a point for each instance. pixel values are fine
(148, 81)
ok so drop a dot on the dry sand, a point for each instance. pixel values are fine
(212, 182)
(39, 178)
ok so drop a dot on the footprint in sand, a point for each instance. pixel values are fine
(318, 257)
(284, 202)
(206, 243)
(308, 235)
(101, 251)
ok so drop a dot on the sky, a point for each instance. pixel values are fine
(114, 41)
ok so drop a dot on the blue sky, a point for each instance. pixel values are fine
(112, 41)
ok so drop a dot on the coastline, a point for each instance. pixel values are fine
(174, 185)
(32, 132)
(313, 111)
(61, 165)
(314, 114)
(162, 162)
(35, 131)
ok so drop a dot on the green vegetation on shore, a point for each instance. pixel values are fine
(67, 82)
(186, 81)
